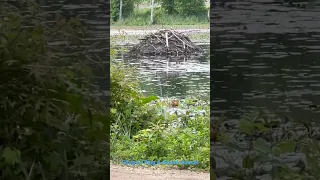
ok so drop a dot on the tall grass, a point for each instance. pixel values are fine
(141, 17)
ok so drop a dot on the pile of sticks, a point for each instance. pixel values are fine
(165, 42)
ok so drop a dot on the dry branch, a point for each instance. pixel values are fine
(165, 42)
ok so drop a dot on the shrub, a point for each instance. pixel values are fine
(127, 8)
(184, 7)
(261, 143)
(176, 137)
(52, 125)
(195, 7)
(169, 6)
(128, 106)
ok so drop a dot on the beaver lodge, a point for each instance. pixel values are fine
(165, 43)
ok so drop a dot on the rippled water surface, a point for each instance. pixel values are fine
(265, 56)
(174, 77)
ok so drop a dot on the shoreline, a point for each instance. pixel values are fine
(135, 32)
(127, 36)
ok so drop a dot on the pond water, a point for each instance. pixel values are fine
(174, 77)
(264, 56)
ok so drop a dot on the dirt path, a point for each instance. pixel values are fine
(136, 173)
(135, 32)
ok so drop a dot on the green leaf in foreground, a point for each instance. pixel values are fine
(246, 126)
(287, 147)
(262, 146)
(149, 99)
(11, 156)
(276, 151)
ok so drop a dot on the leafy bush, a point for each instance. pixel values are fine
(169, 6)
(184, 7)
(264, 141)
(141, 17)
(128, 107)
(195, 7)
(52, 125)
(127, 8)
(173, 137)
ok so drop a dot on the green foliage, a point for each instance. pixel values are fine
(187, 8)
(129, 110)
(142, 129)
(11, 156)
(52, 125)
(184, 13)
(142, 18)
(169, 6)
(163, 141)
(266, 143)
(127, 8)
(184, 7)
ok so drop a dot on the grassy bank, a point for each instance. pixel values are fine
(141, 17)
(133, 39)
(173, 134)
(151, 27)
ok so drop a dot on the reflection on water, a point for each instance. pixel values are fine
(264, 56)
(174, 77)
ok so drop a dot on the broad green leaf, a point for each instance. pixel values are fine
(247, 162)
(261, 127)
(149, 99)
(276, 151)
(262, 145)
(287, 147)
(246, 126)
(74, 100)
(11, 156)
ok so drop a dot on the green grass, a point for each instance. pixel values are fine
(162, 141)
(133, 39)
(141, 17)
(148, 27)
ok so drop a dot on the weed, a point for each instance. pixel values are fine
(262, 142)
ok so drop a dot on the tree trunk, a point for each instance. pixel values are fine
(152, 8)
(120, 12)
